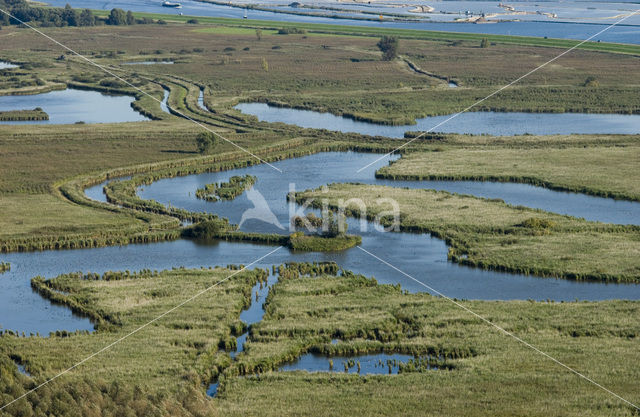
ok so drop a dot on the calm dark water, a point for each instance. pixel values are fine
(491, 123)
(71, 106)
(22, 370)
(371, 364)
(619, 34)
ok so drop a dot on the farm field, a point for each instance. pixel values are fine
(180, 264)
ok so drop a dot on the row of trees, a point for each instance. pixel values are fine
(56, 16)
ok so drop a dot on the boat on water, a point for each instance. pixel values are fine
(175, 5)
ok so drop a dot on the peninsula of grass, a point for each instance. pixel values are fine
(605, 171)
(23, 115)
(226, 190)
(321, 234)
(4, 267)
(490, 234)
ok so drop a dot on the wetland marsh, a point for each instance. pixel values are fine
(526, 212)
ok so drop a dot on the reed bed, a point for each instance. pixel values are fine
(226, 190)
(23, 115)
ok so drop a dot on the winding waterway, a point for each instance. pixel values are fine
(477, 123)
(422, 256)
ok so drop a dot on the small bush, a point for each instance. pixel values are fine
(389, 47)
(538, 223)
(291, 31)
(591, 82)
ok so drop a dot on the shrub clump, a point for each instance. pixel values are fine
(291, 31)
(591, 82)
(226, 190)
(207, 230)
(538, 224)
(311, 219)
(389, 47)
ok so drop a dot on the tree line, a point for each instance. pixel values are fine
(58, 17)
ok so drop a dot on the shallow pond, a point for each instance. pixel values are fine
(71, 106)
(370, 364)
(491, 123)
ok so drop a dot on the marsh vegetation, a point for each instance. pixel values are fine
(226, 190)
(23, 115)
(165, 368)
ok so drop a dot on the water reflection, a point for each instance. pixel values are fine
(477, 123)
(73, 106)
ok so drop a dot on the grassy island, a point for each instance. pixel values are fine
(226, 190)
(315, 243)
